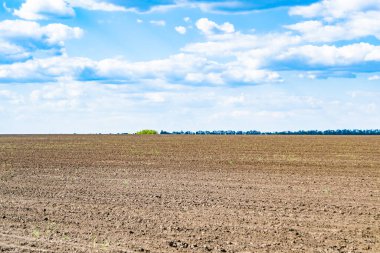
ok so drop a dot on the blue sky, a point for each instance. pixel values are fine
(109, 66)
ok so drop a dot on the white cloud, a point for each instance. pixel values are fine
(181, 29)
(58, 33)
(250, 51)
(95, 5)
(185, 68)
(140, 21)
(209, 27)
(335, 9)
(19, 28)
(43, 9)
(198, 77)
(186, 19)
(237, 73)
(317, 31)
(188, 68)
(374, 78)
(332, 55)
(12, 52)
(110, 69)
(158, 22)
(226, 45)
(358, 25)
(22, 39)
(52, 33)
(173, 67)
(43, 70)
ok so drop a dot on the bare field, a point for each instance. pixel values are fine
(108, 193)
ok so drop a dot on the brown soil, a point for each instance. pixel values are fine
(189, 194)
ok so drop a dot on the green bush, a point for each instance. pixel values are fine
(147, 131)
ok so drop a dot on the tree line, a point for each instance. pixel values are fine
(300, 132)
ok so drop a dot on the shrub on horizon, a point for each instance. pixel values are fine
(146, 131)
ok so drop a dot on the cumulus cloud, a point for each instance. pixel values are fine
(43, 9)
(334, 56)
(335, 9)
(22, 39)
(172, 67)
(250, 50)
(335, 21)
(10, 52)
(258, 54)
(181, 29)
(52, 33)
(183, 68)
(108, 69)
(225, 45)
(358, 25)
(209, 27)
(43, 70)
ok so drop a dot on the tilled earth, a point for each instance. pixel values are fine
(118, 193)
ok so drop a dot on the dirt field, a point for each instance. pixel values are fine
(189, 194)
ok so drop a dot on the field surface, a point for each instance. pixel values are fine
(108, 193)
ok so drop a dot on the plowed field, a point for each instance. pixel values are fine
(117, 193)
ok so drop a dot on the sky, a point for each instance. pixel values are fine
(116, 66)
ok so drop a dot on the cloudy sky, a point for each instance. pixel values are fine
(109, 66)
